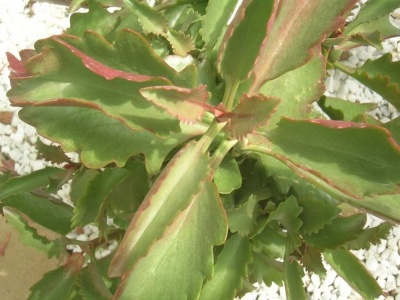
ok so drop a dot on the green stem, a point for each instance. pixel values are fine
(210, 135)
(230, 92)
(176, 3)
(221, 152)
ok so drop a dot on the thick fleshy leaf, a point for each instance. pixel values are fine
(370, 236)
(228, 278)
(87, 209)
(227, 177)
(243, 38)
(30, 182)
(175, 189)
(349, 267)
(394, 127)
(99, 139)
(251, 113)
(370, 11)
(357, 159)
(293, 274)
(316, 214)
(185, 247)
(58, 284)
(185, 104)
(243, 218)
(29, 235)
(72, 78)
(340, 109)
(215, 21)
(57, 217)
(295, 34)
(297, 89)
(340, 231)
(381, 75)
(386, 207)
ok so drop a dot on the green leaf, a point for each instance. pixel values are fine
(80, 183)
(339, 109)
(152, 21)
(381, 75)
(98, 19)
(271, 242)
(30, 182)
(243, 39)
(251, 113)
(312, 261)
(267, 270)
(59, 283)
(185, 104)
(72, 78)
(349, 267)
(340, 231)
(29, 235)
(174, 190)
(228, 278)
(124, 200)
(185, 247)
(297, 89)
(87, 209)
(386, 207)
(51, 153)
(357, 159)
(316, 214)
(215, 21)
(99, 139)
(290, 45)
(52, 215)
(227, 177)
(293, 274)
(92, 286)
(394, 127)
(243, 218)
(287, 214)
(382, 24)
(181, 43)
(370, 11)
(370, 236)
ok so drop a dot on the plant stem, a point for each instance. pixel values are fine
(210, 135)
(221, 151)
(230, 92)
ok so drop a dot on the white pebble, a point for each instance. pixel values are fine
(390, 283)
(372, 264)
(315, 280)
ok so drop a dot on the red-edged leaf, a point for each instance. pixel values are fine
(300, 26)
(357, 159)
(185, 247)
(176, 187)
(188, 105)
(251, 113)
(381, 75)
(243, 38)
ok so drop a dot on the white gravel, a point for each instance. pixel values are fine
(21, 27)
